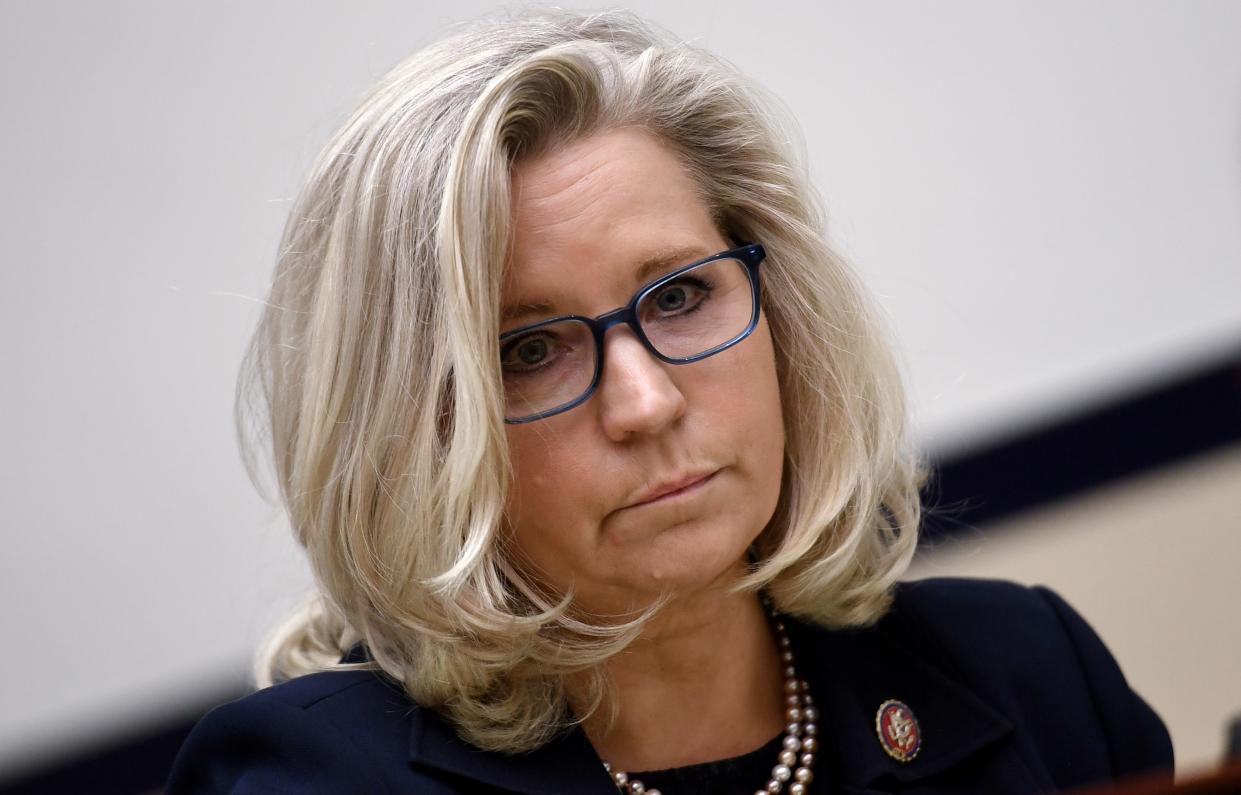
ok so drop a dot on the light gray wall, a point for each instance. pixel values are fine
(1043, 195)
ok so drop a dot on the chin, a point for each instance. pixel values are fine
(690, 557)
(676, 562)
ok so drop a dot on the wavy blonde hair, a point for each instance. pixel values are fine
(373, 376)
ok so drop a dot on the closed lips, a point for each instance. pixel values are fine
(671, 486)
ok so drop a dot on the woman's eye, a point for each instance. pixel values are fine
(671, 299)
(532, 351)
(525, 352)
(681, 296)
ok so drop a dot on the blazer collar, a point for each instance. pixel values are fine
(850, 672)
(568, 765)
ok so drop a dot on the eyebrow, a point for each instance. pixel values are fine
(656, 263)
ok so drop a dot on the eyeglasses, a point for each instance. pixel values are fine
(694, 312)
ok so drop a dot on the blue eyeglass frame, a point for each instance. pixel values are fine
(750, 254)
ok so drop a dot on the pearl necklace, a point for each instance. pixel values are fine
(800, 735)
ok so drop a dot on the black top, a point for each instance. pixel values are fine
(738, 775)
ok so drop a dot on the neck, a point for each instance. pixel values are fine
(703, 682)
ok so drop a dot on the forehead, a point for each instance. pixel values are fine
(587, 217)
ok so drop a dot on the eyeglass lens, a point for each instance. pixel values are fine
(554, 365)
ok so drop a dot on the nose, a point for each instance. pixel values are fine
(636, 392)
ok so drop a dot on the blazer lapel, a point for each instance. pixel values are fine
(853, 672)
(567, 765)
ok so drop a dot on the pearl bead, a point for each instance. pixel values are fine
(653, 792)
(789, 672)
(637, 788)
(786, 656)
(804, 775)
(791, 743)
(807, 760)
(792, 699)
(809, 744)
(621, 778)
(774, 786)
(793, 729)
(781, 773)
(788, 757)
(811, 713)
(797, 788)
(811, 728)
(792, 714)
(791, 686)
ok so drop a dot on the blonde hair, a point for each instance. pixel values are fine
(374, 369)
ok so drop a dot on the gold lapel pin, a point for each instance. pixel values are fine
(898, 730)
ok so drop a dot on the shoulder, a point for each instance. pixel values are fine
(978, 596)
(960, 610)
(978, 625)
(1026, 648)
(337, 695)
(1002, 626)
(328, 732)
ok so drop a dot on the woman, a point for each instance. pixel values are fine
(598, 456)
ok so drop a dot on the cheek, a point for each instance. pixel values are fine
(532, 467)
(750, 409)
(550, 491)
(744, 392)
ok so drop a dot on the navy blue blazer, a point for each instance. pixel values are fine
(1012, 691)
